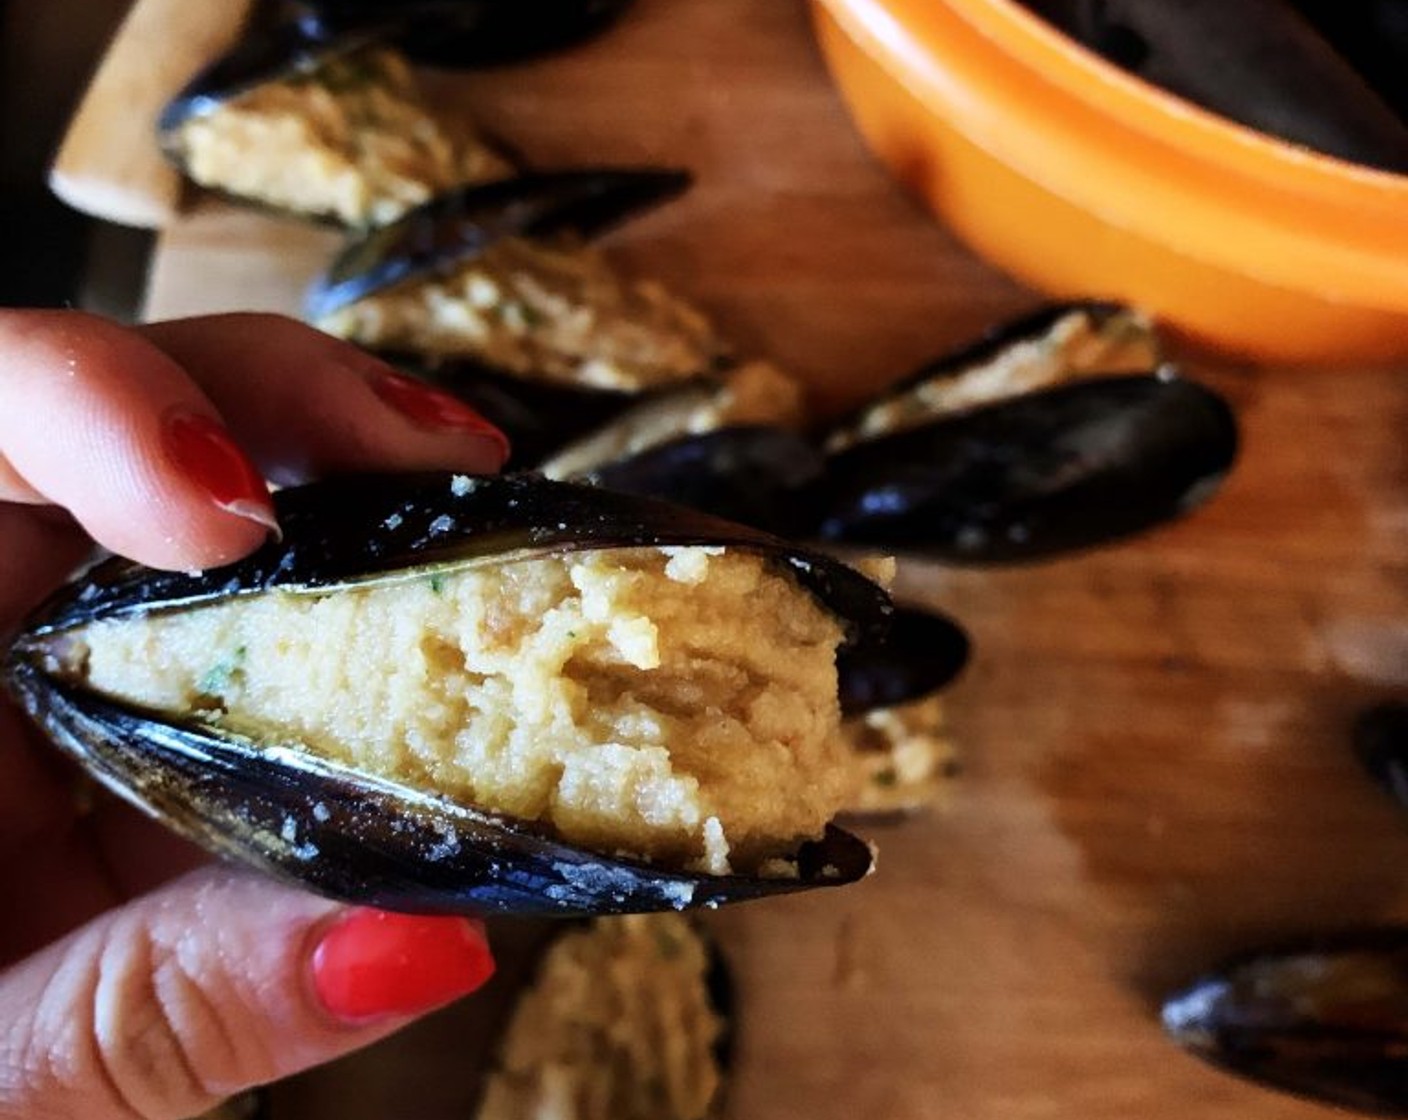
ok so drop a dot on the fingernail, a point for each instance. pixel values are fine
(374, 965)
(430, 408)
(205, 453)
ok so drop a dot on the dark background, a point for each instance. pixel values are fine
(53, 257)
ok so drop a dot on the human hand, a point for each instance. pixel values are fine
(140, 981)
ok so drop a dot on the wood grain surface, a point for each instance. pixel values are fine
(1154, 737)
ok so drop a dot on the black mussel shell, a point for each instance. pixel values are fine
(366, 528)
(537, 415)
(1326, 1019)
(268, 52)
(460, 224)
(469, 33)
(1036, 475)
(326, 826)
(1381, 742)
(750, 474)
(922, 651)
(1104, 317)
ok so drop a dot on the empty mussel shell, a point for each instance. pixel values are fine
(1044, 473)
(332, 826)
(1326, 1018)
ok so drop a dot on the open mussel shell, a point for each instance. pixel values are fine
(1040, 474)
(1326, 1019)
(1054, 344)
(456, 226)
(270, 51)
(327, 826)
(469, 33)
(921, 652)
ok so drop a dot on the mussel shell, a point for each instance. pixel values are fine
(921, 652)
(1044, 473)
(750, 474)
(269, 52)
(1326, 1019)
(339, 831)
(327, 827)
(537, 415)
(471, 33)
(1381, 742)
(362, 529)
(456, 226)
(988, 349)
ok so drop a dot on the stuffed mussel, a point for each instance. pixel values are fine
(893, 717)
(625, 1018)
(1050, 436)
(1057, 432)
(329, 129)
(443, 693)
(494, 293)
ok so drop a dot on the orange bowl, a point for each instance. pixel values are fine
(1084, 181)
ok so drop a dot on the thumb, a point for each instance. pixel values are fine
(216, 983)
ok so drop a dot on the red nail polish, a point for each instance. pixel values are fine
(204, 452)
(375, 965)
(430, 408)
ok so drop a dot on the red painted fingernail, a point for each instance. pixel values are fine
(375, 965)
(430, 408)
(206, 453)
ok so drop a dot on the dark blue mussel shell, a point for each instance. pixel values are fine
(538, 416)
(1036, 475)
(747, 473)
(269, 53)
(325, 826)
(921, 652)
(460, 224)
(1325, 1018)
(1104, 317)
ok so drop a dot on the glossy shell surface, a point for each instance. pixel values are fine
(1326, 1019)
(371, 840)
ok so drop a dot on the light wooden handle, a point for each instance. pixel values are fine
(109, 164)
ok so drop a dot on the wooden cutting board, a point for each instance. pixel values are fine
(1154, 737)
